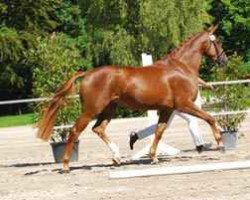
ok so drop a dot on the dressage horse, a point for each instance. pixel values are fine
(167, 85)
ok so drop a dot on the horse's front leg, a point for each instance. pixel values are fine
(192, 109)
(161, 126)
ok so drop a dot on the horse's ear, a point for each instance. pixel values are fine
(212, 29)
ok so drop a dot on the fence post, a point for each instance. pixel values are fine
(147, 60)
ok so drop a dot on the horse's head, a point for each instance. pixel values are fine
(213, 48)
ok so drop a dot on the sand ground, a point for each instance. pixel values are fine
(28, 171)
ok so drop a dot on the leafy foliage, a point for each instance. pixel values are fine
(234, 19)
(125, 112)
(21, 22)
(167, 23)
(56, 60)
(13, 51)
(122, 29)
(15, 72)
(103, 32)
(32, 16)
(24, 26)
(232, 97)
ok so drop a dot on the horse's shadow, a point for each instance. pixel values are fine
(143, 161)
(28, 164)
(74, 168)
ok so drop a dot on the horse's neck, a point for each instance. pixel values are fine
(189, 55)
(191, 59)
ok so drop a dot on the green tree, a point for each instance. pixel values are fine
(122, 29)
(24, 25)
(234, 20)
(21, 22)
(165, 24)
(15, 72)
(31, 16)
(55, 60)
(70, 22)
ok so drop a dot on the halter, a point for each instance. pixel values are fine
(212, 40)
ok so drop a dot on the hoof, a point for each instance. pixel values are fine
(154, 161)
(222, 149)
(199, 148)
(132, 139)
(65, 168)
(64, 171)
(204, 147)
(116, 161)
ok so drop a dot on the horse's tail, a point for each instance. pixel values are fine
(46, 124)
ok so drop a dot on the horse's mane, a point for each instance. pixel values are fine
(183, 44)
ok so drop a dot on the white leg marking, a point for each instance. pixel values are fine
(115, 149)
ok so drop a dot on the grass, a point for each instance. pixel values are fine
(17, 120)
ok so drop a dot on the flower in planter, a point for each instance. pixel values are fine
(230, 123)
(60, 135)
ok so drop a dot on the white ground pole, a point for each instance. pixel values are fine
(159, 171)
(152, 121)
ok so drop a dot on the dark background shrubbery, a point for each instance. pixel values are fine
(43, 42)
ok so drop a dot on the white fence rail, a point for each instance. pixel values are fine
(229, 82)
(9, 102)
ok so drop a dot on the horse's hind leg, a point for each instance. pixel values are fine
(75, 131)
(161, 126)
(100, 127)
(192, 109)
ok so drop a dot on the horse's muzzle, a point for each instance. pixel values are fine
(222, 59)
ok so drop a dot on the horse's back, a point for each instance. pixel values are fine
(132, 86)
(135, 87)
(146, 87)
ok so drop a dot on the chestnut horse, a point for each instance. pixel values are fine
(167, 85)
